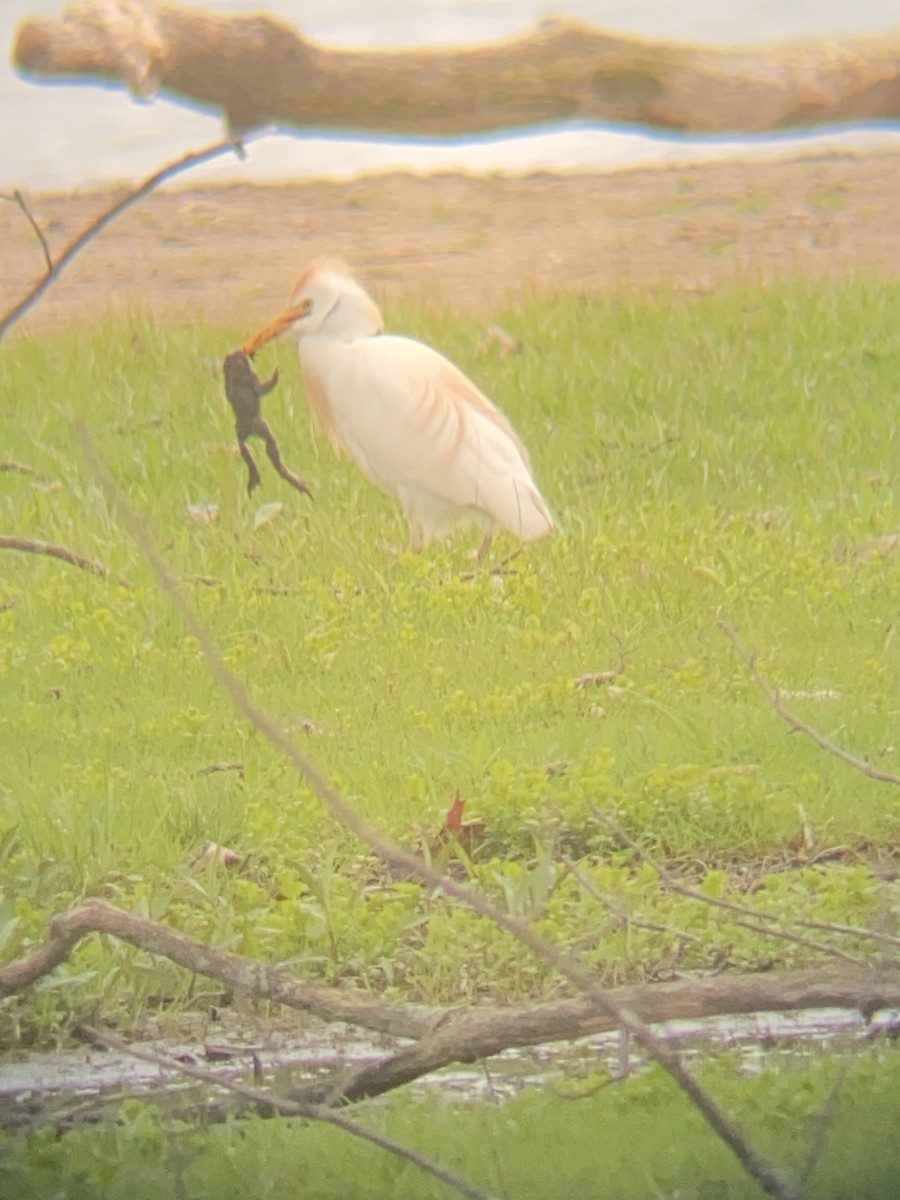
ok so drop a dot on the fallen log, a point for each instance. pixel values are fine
(441, 1036)
(259, 71)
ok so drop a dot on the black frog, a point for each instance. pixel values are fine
(245, 391)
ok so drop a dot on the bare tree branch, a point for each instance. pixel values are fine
(18, 198)
(17, 468)
(267, 1102)
(474, 1034)
(54, 270)
(257, 70)
(772, 695)
(772, 1179)
(454, 1034)
(761, 921)
(265, 982)
(619, 912)
(856, 931)
(823, 1125)
(31, 546)
(451, 1035)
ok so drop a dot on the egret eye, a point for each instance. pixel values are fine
(302, 309)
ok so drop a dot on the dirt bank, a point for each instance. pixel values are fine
(228, 254)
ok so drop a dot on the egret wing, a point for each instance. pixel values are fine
(417, 426)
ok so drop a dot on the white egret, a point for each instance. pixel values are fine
(410, 420)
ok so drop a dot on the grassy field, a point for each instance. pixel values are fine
(727, 458)
(639, 1140)
(724, 459)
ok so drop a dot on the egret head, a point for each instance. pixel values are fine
(326, 301)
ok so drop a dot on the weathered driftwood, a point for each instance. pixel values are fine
(444, 1036)
(258, 70)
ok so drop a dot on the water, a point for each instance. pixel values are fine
(61, 136)
(36, 1082)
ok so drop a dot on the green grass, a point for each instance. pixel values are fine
(721, 458)
(634, 1140)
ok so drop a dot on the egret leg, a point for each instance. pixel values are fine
(416, 537)
(484, 547)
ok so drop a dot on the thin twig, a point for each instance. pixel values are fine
(619, 912)
(268, 1101)
(772, 1179)
(857, 931)
(797, 940)
(743, 911)
(18, 468)
(823, 1125)
(772, 695)
(31, 546)
(18, 198)
(499, 569)
(193, 159)
(216, 767)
